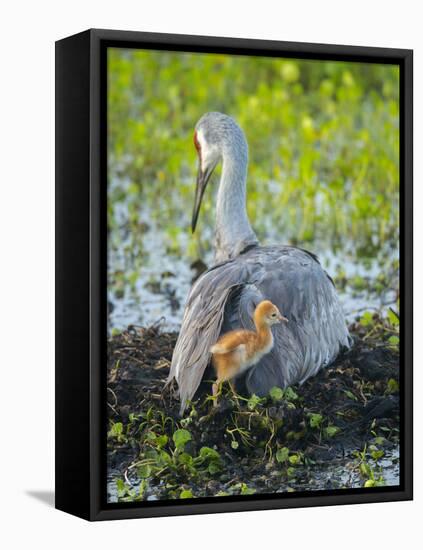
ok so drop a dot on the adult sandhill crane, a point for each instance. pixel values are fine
(225, 296)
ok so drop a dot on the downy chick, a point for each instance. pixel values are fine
(238, 350)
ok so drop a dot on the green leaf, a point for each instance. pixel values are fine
(365, 470)
(366, 319)
(282, 454)
(253, 402)
(121, 487)
(276, 393)
(350, 394)
(180, 438)
(290, 394)
(315, 420)
(164, 458)
(290, 71)
(331, 431)
(185, 458)
(245, 490)
(234, 444)
(161, 440)
(294, 459)
(392, 386)
(214, 468)
(141, 489)
(394, 340)
(186, 493)
(144, 471)
(393, 317)
(152, 454)
(208, 452)
(117, 429)
(370, 483)
(377, 454)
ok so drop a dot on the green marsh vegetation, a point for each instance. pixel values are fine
(323, 174)
(323, 139)
(323, 171)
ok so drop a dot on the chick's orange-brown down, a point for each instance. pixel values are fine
(238, 350)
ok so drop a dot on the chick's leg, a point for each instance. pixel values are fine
(233, 390)
(215, 391)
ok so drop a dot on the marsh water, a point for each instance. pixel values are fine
(150, 285)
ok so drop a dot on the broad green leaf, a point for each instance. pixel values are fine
(290, 394)
(214, 467)
(208, 452)
(282, 454)
(276, 393)
(185, 458)
(161, 440)
(315, 420)
(253, 402)
(144, 471)
(392, 386)
(245, 490)
(393, 317)
(350, 394)
(180, 438)
(366, 319)
(331, 431)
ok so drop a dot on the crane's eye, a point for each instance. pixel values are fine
(273, 315)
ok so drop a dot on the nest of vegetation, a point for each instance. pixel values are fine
(339, 429)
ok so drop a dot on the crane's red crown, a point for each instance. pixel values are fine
(197, 143)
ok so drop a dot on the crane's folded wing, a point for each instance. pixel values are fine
(203, 320)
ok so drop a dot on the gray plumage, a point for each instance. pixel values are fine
(225, 296)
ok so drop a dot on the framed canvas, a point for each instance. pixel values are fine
(233, 239)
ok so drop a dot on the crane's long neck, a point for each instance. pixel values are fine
(233, 229)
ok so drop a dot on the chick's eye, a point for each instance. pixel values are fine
(273, 314)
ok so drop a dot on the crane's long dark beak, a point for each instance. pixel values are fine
(202, 181)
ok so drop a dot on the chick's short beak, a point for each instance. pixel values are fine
(282, 318)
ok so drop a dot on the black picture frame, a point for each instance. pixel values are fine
(81, 178)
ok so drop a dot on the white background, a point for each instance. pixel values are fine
(28, 32)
